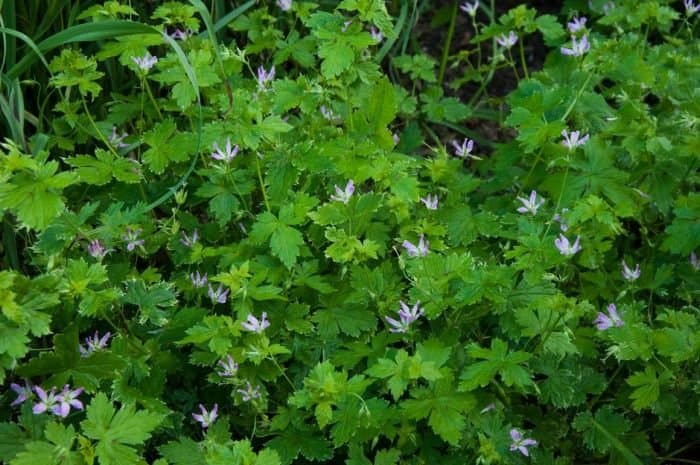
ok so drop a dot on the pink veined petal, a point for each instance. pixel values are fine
(523, 450)
(529, 442)
(515, 435)
(62, 409)
(410, 248)
(39, 408)
(602, 322)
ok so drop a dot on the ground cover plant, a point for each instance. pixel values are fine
(349, 232)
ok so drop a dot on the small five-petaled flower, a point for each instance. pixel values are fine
(97, 250)
(265, 76)
(227, 154)
(23, 393)
(254, 325)
(198, 280)
(690, 7)
(576, 24)
(507, 41)
(146, 62)
(604, 321)
(117, 140)
(430, 201)
(573, 139)
(206, 418)
(531, 204)
(188, 241)
(131, 236)
(284, 5)
(218, 295)
(464, 149)
(470, 8)
(578, 48)
(229, 367)
(376, 34)
(420, 250)
(629, 274)
(343, 195)
(94, 343)
(565, 247)
(520, 443)
(249, 392)
(407, 315)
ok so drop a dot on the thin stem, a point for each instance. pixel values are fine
(284, 375)
(512, 64)
(448, 42)
(96, 129)
(150, 96)
(262, 184)
(522, 59)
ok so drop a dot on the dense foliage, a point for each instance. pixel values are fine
(284, 232)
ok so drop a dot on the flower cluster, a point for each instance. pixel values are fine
(58, 404)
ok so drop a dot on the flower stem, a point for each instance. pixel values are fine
(448, 42)
(262, 184)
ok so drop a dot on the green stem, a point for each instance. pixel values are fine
(96, 129)
(522, 59)
(150, 96)
(262, 184)
(448, 42)
(284, 375)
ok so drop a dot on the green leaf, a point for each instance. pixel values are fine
(497, 360)
(337, 57)
(184, 451)
(349, 321)
(647, 387)
(116, 430)
(152, 300)
(683, 234)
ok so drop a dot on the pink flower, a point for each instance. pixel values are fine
(421, 250)
(344, 195)
(519, 443)
(206, 418)
(572, 141)
(507, 41)
(254, 325)
(226, 155)
(406, 315)
(23, 393)
(604, 321)
(566, 248)
(530, 205)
